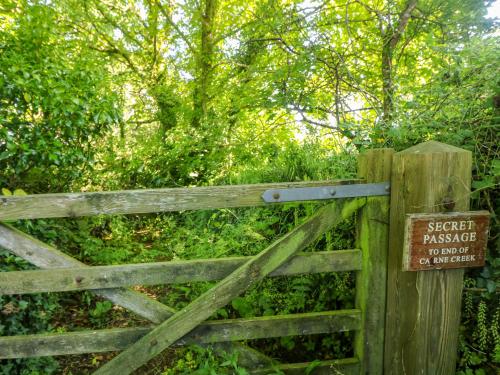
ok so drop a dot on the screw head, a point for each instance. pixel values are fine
(276, 195)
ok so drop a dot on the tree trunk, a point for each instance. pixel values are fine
(391, 37)
(205, 62)
(387, 83)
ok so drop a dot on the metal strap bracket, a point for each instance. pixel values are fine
(326, 192)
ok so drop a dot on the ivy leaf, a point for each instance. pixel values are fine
(485, 183)
(19, 192)
(491, 286)
(244, 308)
(6, 192)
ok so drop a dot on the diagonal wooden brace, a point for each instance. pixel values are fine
(233, 285)
(45, 256)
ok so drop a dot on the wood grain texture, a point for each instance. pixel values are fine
(373, 240)
(105, 340)
(423, 308)
(46, 256)
(346, 366)
(99, 277)
(465, 246)
(143, 201)
(237, 282)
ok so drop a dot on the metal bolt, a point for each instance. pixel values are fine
(448, 203)
(276, 196)
(332, 192)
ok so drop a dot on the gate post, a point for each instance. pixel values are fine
(372, 238)
(423, 308)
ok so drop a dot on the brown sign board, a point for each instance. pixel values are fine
(445, 240)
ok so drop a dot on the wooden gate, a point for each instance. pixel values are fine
(189, 325)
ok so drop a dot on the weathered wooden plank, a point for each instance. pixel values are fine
(373, 239)
(143, 201)
(237, 282)
(105, 340)
(423, 308)
(46, 256)
(84, 278)
(347, 366)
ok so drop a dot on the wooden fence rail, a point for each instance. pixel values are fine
(177, 272)
(144, 201)
(189, 325)
(209, 332)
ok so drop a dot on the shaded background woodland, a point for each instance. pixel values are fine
(105, 95)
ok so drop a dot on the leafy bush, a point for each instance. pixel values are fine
(27, 314)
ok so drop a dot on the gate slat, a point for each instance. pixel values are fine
(46, 256)
(144, 201)
(176, 272)
(105, 340)
(237, 282)
(346, 366)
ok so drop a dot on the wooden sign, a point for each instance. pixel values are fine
(447, 240)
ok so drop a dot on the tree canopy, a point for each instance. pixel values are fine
(118, 94)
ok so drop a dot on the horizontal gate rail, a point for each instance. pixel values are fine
(45, 256)
(346, 366)
(176, 272)
(105, 340)
(237, 274)
(268, 260)
(144, 201)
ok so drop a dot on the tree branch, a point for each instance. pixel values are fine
(176, 28)
(404, 18)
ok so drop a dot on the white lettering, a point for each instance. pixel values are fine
(439, 260)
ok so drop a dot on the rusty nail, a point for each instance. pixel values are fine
(448, 203)
(79, 279)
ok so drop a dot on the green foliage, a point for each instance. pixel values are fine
(200, 361)
(53, 106)
(25, 315)
(106, 95)
(479, 335)
(100, 311)
(459, 106)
